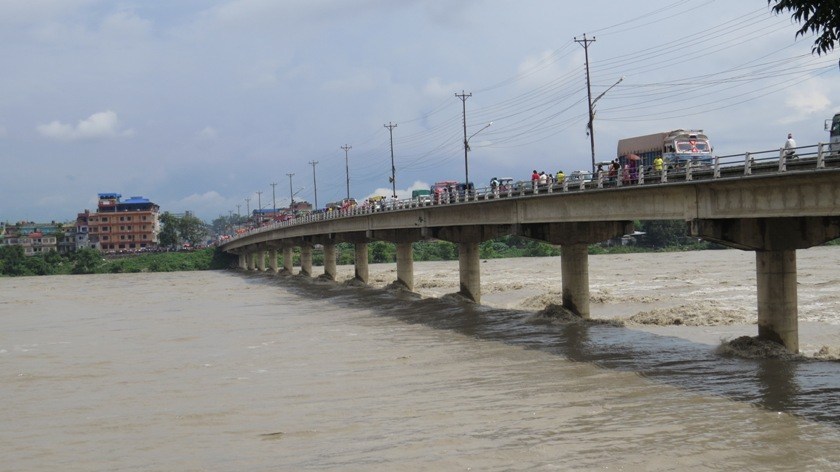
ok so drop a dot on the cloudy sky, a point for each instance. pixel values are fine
(200, 104)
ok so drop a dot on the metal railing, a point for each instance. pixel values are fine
(812, 158)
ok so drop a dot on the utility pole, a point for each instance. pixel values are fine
(259, 205)
(393, 169)
(238, 215)
(291, 195)
(248, 206)
(464, 96)
(314, 182)
(590, 126)
(273, 200)
(346, 148)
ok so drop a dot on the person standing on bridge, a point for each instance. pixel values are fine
(790, 147)
(658, 164)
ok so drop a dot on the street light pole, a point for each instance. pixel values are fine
(248, 206)
(393, 169)
(464, 96)
(346, 148)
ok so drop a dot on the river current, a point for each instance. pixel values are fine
(225, 371)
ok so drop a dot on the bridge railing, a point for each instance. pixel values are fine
(812, 157)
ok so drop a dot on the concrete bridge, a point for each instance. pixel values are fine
(770, 205)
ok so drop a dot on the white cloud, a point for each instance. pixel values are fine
(104, 124)
(401, 193)
(807, 101)
(435, 88)
(208, 133)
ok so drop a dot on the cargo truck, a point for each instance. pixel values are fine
(676, 148)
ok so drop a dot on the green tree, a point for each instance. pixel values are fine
(820, 17)
(664, 233)
(381, 251)
(192, 230)
(12, 260)
(86, 261)
(169, 230)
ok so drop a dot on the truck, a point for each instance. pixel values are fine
(834, 134)
(676, 148)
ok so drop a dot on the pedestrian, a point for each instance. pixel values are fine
(658, 164)
(560, 177)
(543, 179)
(535, 179)
(790, 147)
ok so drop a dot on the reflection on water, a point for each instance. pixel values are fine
(806, 388)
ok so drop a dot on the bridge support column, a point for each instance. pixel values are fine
(361, 250)
(243, 261)
(405, 265)
(306, 260)
(469, 267)
(775, 241)
(261, 261)
(288, 268)
(251, 260)
(574, 240)
(329, 261)
(574, 268)
(272, 260)
(777, 298)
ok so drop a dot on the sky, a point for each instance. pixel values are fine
(202, 105)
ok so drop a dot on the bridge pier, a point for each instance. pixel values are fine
(252, 260)
(778, 310)
(403, 238)
(306, 260)
(243, 262)
(361, 262)
(287, 260)
(574, 240)
(272, 260)
(469, 269)
(261, 260)
(775, 241)
(574, 271)
(405, 265)
(329, 261)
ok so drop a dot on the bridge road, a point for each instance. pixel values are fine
(772, 213)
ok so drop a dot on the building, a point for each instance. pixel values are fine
(129, 225)
(33, 241)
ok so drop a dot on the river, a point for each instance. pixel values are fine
(225, 371)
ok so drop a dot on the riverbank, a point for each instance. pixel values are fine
(703, 296)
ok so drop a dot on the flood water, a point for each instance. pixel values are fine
(227, 371)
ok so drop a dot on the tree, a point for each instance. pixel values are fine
(169, 230)
(86, 261)
(12, 260)
(821, 17)
(192, 229)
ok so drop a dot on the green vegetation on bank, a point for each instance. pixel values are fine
(89, 261)
(653, 236)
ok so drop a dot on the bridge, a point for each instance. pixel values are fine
(762, 202)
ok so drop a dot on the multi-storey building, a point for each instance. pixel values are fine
(128, 225)
(33, 243)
